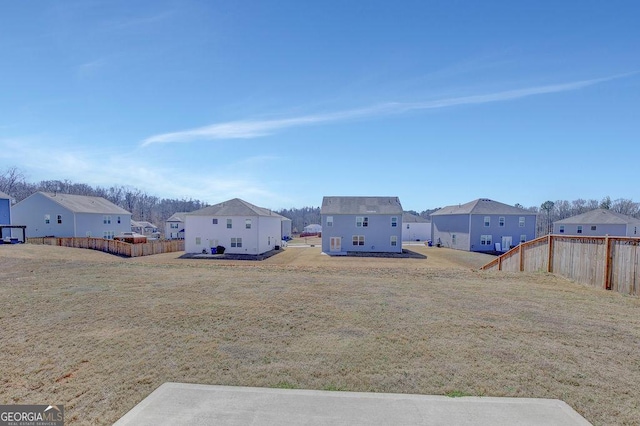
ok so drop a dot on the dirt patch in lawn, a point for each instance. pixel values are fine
(98, 333)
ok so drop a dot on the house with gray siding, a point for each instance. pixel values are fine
(415, 228)
(5, 209)
(65, 215)
(482, 225)
(599, 222)
(5, 214)
(361, 224)
(238, 226)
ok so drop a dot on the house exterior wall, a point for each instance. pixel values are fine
(173, 233)
(416, 231)
(511, 228)
(472, 234)
(615, 230)
(451, 231)
(93, 224)
(285, 229)
(377, 235)
(202, 234)
(31, 212)
(5, 211)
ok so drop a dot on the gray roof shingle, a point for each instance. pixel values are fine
(361, 205)
(482, 206)
(234, 207)
(599, 217)
(85, 203)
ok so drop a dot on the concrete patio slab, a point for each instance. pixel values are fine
(192, 404)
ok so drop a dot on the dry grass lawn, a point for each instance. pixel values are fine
(98, 333)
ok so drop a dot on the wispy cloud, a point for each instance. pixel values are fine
(248, 129)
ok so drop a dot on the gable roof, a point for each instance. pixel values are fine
(84, 203)
(177, 217)
(599, 217)
(361, 205)
(4, 196)
(234, 207)
(482, 206)
(412, 218)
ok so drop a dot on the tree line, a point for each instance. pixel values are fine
(145, 207)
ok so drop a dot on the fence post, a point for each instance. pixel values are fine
(521, 257)
(550, 253)
(607, 263)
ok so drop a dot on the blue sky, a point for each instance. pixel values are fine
(282, 102)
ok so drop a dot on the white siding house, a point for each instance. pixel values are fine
(174, 227)
(238, 226)
(415, 228)
(599, 222)
(361, 224)
(66, 215)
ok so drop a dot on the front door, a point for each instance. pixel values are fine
(335, 244)
(506, 243)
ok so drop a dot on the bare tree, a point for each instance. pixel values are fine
(10, 178)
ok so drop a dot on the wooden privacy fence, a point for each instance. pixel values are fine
(612, 263)
(112, 246)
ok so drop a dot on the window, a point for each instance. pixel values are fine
(329, 221)
(358, 240)
(229, 224)
(523, 238)
(487, 220)
(236, 242)
(579, 229)
(59, 218)
(247, 223)
(174, 226)
(362, 221)
(47, 219)
(485, 240)
(108, 235)
(198, 241)
(394, 240)
(214, 221)
(106, 219)
(593, 227)
(119, 219)
(407, 226)
(501, 221)
(394, 222)
(453, 239)
(561, 229)
(521, 222)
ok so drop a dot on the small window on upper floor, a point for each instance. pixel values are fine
(47, 218)
(579, 230)
(214, 221)
(229, 224)
(501, 221)
(247, 223)
(59, 218)
(521, 222)
(329, 221)
(561, 229)
(487, 221)
(394, 221)
(593, 227)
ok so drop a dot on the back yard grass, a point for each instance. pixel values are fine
(98, 333)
